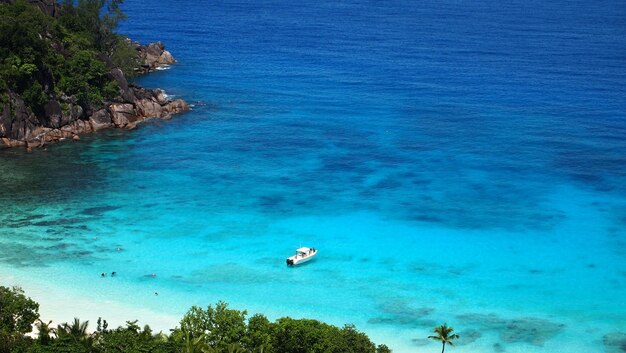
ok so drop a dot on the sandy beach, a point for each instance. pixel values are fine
(61, 305)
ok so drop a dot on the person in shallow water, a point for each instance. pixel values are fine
(113, 273)
(103, 274)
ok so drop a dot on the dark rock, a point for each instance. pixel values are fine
(21, 119)
(125, 91)
(49, 7)
(53, 113)
(76, 112)
(5, 120)
(106, 59)
(154, 55)
(100, 120)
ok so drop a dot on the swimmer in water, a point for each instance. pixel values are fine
(113, 273)
(103, 274)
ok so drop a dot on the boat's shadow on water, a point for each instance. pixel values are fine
(304, 264)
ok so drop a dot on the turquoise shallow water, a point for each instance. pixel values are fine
(452, 162)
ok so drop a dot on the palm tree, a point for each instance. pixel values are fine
(77, 329)
(44, 330)
(76, 332)
(234, 348)
(444, 335)
(195, 345)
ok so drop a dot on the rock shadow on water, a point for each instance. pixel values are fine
(614, 342)
(529, 330)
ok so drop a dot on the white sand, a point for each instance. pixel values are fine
(60, 305)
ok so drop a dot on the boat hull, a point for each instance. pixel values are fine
(297, 260)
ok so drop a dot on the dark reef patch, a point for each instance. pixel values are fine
(425, 268)
(387, 183)
(534, 331)
(58, 222)
(271, 201)
(468, 336)
(428, 218)
(96, 211)
(420, 342)
(615, 342)
(398, 312)
(498, 348)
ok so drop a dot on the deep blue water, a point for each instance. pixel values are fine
(453, 161)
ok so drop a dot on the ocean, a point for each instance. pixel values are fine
(452, 161)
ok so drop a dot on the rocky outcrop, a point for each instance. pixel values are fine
(63, 118)
(153, 56)
(20, 127)
(58, 116)
(17, 123)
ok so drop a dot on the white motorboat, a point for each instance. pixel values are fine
(302, 255)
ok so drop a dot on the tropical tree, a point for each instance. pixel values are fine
(444, 335)
(194, 345)
(219, 326)
(44, 330)
(17, 315)
(77, 329)
(234, 348)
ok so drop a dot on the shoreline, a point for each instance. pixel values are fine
(60, 305)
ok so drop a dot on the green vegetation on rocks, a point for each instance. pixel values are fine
(44, 57)
(64, 70)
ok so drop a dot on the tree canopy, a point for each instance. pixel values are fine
(44, 57)
(216, 329)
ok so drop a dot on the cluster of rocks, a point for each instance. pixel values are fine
(153, 56)
(65, 119)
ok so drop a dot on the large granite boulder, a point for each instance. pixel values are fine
(154, 55)
(122, 114)
(149, 108)
(100, 120)
(125, 91)
(17, 121)
(53, 114)
(176, 106)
